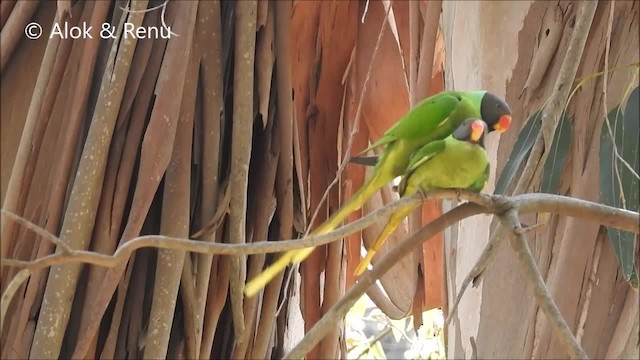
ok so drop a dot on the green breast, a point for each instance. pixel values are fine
(458, 166)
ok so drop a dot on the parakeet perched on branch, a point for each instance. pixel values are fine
(458, 162)
(435, 118)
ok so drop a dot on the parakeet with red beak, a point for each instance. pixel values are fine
(458, 162)
(433, 119)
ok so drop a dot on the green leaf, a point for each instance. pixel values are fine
(520, 151)
(377, 351)
(620, 187)
(554, 165)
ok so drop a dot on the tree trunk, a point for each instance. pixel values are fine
(495, 46)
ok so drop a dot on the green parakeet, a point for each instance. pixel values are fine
(458, 162)
(433, 119)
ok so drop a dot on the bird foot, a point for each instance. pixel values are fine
(424, 194)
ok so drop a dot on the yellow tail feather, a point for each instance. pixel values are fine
(296, 256)
(261, 280)
(392, 224)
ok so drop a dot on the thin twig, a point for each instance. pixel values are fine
(527, 203)
(64, 247)
(162, 15)
(543, 296)
(166, 242)
(482, 262)
(474, 348)
(10, 291)
(356, 124)
(373, 341)
(546, 203)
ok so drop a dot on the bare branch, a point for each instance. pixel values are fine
(166, 242)
(528, 203)
(564, 205)
(543, 296)
(480, 203)
(525, 203)
(38, 230)
(8, 294)
(339, 310)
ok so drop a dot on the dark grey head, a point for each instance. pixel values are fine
(495, 112)
(471, 130)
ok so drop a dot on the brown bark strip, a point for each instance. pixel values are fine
(157, 148)
(262, 194)
(14, 188)
(67, 143)
(6, 7)
(128, 131)
(13, 29)
(245, 28)
(175, 207)
(83, 204)
(216, 298)
(264, 64)
(284, 178)
(209, 41)
(50, 95)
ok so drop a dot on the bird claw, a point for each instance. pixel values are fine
(528, 228)
(423, 193)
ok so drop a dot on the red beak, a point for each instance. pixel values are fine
(503, 123)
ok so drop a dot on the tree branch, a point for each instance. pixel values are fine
(543, 296)
(339, 310)
(492, 203)
(479, 203)
(606, 215)
(167, 242)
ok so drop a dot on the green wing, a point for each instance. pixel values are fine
(420, 157)
(425, 153)
(422, 119)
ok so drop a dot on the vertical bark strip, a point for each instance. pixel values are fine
(208, 38)
(14, 28)
(67, 144)
(14, 188)
(241, 147)
(175, 209)
(284, 176)
(83, 203)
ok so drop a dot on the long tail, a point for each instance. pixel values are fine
(377, 181)
(392, 224)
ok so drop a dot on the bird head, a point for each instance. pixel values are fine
(471, 130)
(495, 112)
